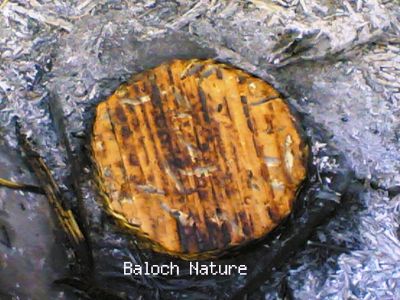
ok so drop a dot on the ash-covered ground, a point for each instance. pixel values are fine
(338, 61)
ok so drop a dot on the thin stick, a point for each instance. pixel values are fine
(54, 196)
(3, 4)
(21, 186)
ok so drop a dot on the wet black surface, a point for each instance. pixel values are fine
(31, 254)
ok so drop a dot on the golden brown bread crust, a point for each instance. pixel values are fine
(197, 157)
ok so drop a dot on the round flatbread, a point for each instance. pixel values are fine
(197, 157)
